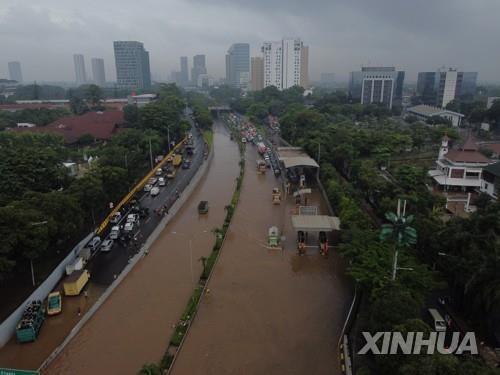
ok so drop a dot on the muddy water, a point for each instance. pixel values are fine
(268, 311)
(134, 325)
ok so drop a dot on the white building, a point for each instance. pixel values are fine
(424, 112)
(98, 72)
(80, 74)
(447, 87)
(282, 63)
(141, 100)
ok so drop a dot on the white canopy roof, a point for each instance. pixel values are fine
(315, 223)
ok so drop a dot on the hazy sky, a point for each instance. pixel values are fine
(417, 35)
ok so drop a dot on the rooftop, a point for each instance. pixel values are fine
(295, 157)
(429, 111)
(494, 169)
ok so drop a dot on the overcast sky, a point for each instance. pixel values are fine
(414, 36)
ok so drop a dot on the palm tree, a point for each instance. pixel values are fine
(399, 230)
(150, 369)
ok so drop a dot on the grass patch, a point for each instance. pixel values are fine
(191, 306)
(208, 136)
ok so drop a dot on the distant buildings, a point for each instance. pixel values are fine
(304, 67)
(205, 81)
(327, 80)
(199, 68)
(15, 72)
(283, 62)
(98, 73)
(238, 65)
(132, 65)
(184, 73)
(257, 74)
(425, 112)
(491, 100)
(141, 100)
(80, 74)
(377, 85)
(445, 85)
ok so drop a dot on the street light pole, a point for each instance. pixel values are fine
(31, 259)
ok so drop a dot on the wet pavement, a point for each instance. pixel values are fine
(104, 267)
(134, 325)
(268, 311)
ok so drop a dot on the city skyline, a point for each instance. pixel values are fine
(379, 38)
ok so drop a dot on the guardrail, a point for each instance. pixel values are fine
(137, 188)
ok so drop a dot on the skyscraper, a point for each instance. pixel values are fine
(199, 67)
(15, 71)
(282, 63)
(98, 73)
(238, 65)
(327, 80)
(80, 75)
(377, 85)
(304, 67)
(257, 77)
(132, 65)
(445, 85)
(184, 73)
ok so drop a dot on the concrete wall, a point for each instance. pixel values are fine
(8, 326)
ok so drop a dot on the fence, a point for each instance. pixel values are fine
(8, 326)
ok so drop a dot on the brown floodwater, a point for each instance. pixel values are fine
(268, 311)
(134, 325)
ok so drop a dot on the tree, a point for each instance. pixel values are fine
(131, 114)
(94, 95)
(77, 105)
(150, 369)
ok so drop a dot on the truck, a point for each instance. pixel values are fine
(261, 148)
(28, 328)
(74, 283)
(177, 160)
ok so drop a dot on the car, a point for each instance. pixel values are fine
(148, 187)
(129, 226)
(158, 172)
(94, 243)
(186, 164)
(107, 245)
(133, 218)
(171, 173)
(162, 181)
(243, 140)
(170, 159)
(152, 181)
(115, 232)
(155, 191)
(115, 219)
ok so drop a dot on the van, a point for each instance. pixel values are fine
(439, 322)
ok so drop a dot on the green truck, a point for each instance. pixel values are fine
(29, 326)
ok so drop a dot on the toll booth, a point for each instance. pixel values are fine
(318, 225)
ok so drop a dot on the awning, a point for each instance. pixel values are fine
(315, 223)
(299, 161)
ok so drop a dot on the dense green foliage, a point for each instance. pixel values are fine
(39, 117)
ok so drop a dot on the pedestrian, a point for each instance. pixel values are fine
(85, 294)
(79, 311)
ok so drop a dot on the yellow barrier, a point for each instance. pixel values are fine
(137, 188)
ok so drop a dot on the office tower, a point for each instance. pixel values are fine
(445, 85)
(304, 67)
(238, 65)
(257, 77)
(377, 85)
(282, 63)
(184, 73)
(15, 72)
(327, 80)
(98, 72)
(80, 75)
(132, 65)
(198, 68)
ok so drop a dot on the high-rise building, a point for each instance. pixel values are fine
(304, 67)
(198, 68)
(238, 65)
(184, 73)
(377, 85)
(282, 63)
(132, 65)
(257, 77)
(445, 85)
(15, 72)
(327, 80)
(80, 75)
(98, 73)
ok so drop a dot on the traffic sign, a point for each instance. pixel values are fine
(11, 371)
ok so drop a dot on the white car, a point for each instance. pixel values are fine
(162, 181)
(129, 226)
(115, 219)
(148, 187)
(107, 245)
(115, 232)
(155, 191)
(158, 172)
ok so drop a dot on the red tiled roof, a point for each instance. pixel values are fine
(470, 144)
(101, 125)
(494, 147)
(464, 156)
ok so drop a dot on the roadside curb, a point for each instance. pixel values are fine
(185, 194)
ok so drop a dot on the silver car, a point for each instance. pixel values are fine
(107, 245)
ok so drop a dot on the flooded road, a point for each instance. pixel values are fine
(268, 311)
(134, 325)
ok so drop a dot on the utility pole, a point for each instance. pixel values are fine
(168, 137)
(150, 154)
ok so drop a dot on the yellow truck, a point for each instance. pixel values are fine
(177, 160)
(74, 283)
